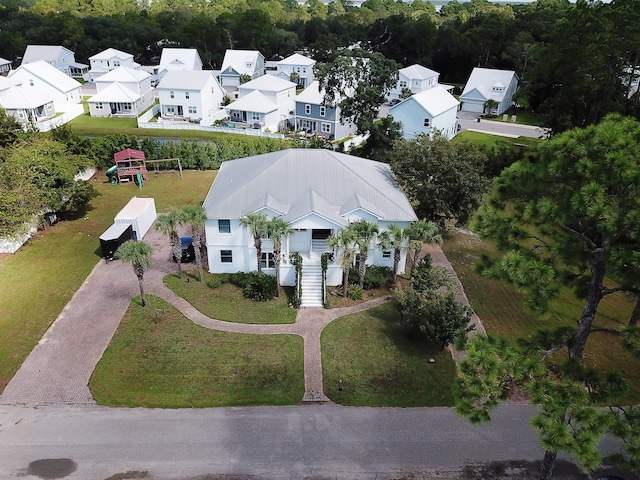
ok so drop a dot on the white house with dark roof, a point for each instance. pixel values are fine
(44, 78)
(316, 118)
(299, 66)
(109, 60)
(57, 56)
(123, 92)
(266, 103)
(189, 95)
(489, 84)
(240, 62)
(318, 192)
(434, 109)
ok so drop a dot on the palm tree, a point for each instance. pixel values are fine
(344, 241)
(364, 232)
(489, 105)
(138, 254)
(195, 216)
(257, 225)
(168, 224)
(277, 229)
(397, 237)
(420, 232)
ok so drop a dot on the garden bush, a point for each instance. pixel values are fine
(260, 286)
(374, 277)
(354, 291)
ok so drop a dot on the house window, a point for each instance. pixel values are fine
(386, 254)
(266, 261)
(116, 63)
(186, 95)
(224, 226)
(226, 256)
(307, 109)
(255, 116)
(99, 106)
(304, 69)
(126, 106)
(326, 127)
(323, 111)
(172, 94)
(171, 109)
(193, 110)
(426, 122)
(30, 82)
(403, 83)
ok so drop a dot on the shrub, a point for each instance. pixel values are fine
(260, 287)
(217, 280)
(239, 279)
(374, 277)
(354, 291)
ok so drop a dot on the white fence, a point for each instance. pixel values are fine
(195, 126)
(72, 112)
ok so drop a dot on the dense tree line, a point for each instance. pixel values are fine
(574, 59)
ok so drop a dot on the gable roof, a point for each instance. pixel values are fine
(49, 74)
(483, 79)
(255, 101)
(115, 92)
(418, 72)
(176, 58)
(297, 59)
(110, 53)
(15, 97)
(186, 79)
(304, 181)
(123, 74)
(49, 53)
(4, 61)
(268, 83)
(239, 58)
(434, 101)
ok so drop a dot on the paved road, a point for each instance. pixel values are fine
(468, 121)
(270, 442)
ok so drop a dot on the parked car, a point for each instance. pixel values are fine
(188, 252)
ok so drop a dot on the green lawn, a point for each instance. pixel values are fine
(380, 366)
(37, 281)
(226, 302)
(487, 140)
(502, 311)
(166, 361)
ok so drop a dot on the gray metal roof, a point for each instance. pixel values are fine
(303, 181)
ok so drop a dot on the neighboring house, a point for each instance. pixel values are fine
(5, 66)
(41, 77)
(416, 79)
(296, 68)
(181, 59)
(240, 62)
(434, 110)
(316, 118)
(489, 84)
(57, 56)
(109, 60)
(266, 103)
(25, 106)
(318, 192)
(122, 92)
(189, 95)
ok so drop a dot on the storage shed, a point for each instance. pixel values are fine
(113, 237)
(140, 213)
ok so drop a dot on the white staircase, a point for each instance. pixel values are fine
(312, 274)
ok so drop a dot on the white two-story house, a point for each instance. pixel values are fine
(240, 62)
(189, 95)
(109, 60)
(123, 92)
(296, 68)
(415, 79)
(264, 103)
(44, 78)
(57, 56)
(489, 84)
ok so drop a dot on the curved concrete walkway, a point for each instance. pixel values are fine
(60, 366)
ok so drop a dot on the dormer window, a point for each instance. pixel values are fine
(186, 95)
(172, 94)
